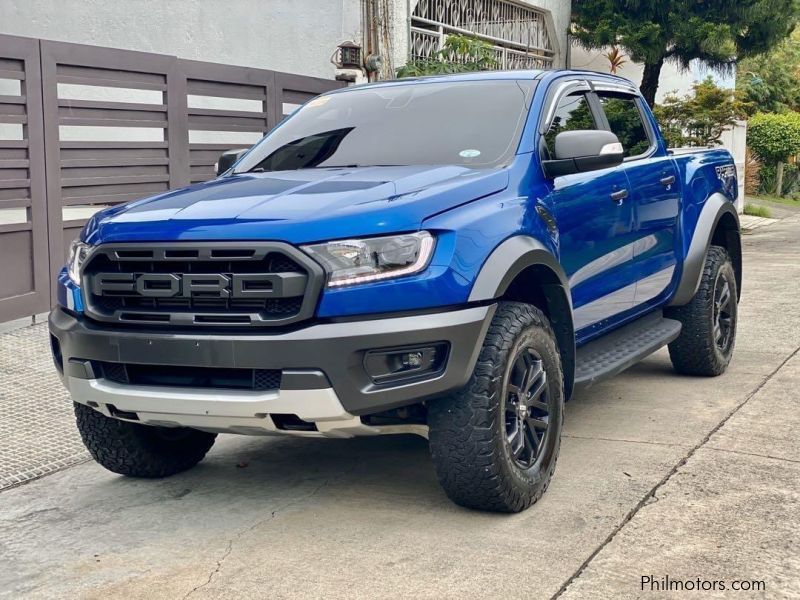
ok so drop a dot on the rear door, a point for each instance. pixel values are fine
(655, 192)
(594, 218)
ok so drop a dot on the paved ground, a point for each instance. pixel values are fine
(37, 432)
(750, 223)
(660, 475)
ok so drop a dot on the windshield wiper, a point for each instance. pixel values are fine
(354, 166)
(263, 170)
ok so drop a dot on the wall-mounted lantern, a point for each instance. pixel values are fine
(349, 56)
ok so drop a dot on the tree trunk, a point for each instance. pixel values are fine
(779, 180)
(649, 87)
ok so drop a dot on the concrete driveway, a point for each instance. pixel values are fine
(659, 476)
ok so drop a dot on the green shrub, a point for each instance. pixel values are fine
(774, 138)
(754, 210)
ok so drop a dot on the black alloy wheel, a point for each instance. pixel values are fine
(527, 411)
(723, 314)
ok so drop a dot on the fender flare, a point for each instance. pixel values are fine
(508, 261)
(714, 209)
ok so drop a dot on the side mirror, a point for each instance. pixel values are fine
(584, 151)
(228, 159)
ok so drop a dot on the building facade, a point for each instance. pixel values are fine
(298, 36)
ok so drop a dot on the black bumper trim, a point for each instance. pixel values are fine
(335, 349)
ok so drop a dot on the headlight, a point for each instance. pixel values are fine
(358, 261)
(78, 251)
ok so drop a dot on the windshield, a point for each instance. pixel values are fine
(471, 123)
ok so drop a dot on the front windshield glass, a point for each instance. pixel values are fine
(471, 123)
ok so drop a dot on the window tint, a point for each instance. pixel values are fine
(626, 122)
(476, 124)
(572, 113)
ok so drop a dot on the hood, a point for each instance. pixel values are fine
(297, 206)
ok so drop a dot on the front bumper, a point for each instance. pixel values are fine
(324, 379)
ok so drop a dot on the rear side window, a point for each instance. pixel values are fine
(572, 113)
(625, 121)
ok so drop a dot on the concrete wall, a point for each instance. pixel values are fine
(561, 11)
(297, 36)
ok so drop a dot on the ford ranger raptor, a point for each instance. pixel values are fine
(452, 257)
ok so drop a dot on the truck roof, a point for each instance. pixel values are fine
(487, 76)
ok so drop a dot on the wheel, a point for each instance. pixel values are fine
(140, 450)
(705, 345)
(495, 443)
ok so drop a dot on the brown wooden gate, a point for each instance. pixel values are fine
(101, 126)
(24, 272)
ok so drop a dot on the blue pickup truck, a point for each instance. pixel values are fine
(450, 256)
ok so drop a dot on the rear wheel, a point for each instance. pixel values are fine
(140, 450)
(495, 443)
(705, 345)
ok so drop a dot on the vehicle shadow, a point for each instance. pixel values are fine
(248, 475)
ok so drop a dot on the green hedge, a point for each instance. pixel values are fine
(774, 137)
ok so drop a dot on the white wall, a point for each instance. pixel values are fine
(561, 11)
(297, 36)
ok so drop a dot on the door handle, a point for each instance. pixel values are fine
(667, 181)
(619, 196)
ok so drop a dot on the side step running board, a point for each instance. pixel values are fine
(613, 353)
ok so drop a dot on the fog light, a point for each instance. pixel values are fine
(395, 364)
(412, 360)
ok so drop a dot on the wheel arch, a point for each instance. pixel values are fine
(718, 225)
(522, 269)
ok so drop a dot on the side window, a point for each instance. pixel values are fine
(625, 121)
(572, 113)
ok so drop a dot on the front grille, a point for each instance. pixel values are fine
(201, 284)
(195, 377)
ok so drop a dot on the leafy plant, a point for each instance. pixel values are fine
(699, 118)
(768, 180)
(774, 138)
(679, 31)
(459, 54)
(616, 59)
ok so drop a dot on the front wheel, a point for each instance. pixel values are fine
(705, 345)
(140, 450)
(495, 443)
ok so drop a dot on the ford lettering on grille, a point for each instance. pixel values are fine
(170, 285)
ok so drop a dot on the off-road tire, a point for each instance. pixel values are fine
(138, 450)
(468, 429)
(695, 351)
